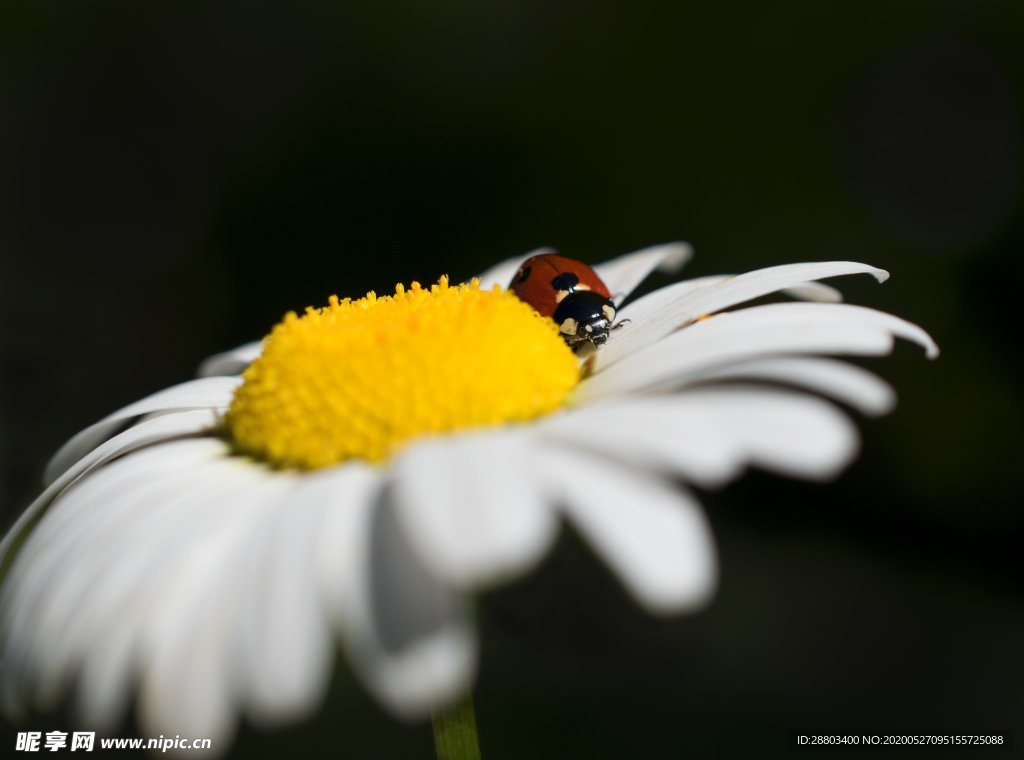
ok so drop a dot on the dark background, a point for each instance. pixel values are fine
(173, 177)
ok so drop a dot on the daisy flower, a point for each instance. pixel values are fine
(368, 466)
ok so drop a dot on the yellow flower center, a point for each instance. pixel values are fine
(358, 379)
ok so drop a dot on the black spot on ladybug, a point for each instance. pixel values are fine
(565, 281)
(524, 274)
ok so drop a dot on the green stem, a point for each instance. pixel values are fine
(455, 732)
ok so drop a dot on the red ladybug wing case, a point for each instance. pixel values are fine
(533, 282)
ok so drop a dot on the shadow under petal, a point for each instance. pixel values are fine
(407, 603)
(420, 649)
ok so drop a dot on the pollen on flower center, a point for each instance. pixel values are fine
(357, 379)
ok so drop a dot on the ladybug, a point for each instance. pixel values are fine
(571, 293)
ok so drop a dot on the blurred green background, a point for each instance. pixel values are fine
(174, 177)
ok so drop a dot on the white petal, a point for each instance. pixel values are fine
(471, 508)
(654, 302)
(623, 274)
(230, 614)
(665, 310)
(407, 636)
(149, 431)
(745, 287)
(104, 686)
(50, 614)
(653, 536)
(782, 328)
(815, 291)
(230, 362)
(839, 380)
(502, 273)
(189, 660)
(205, 393)
(708, 436)
(184, 566)
(286, 650)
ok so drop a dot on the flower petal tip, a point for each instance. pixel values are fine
(435, 673)
(696, 595)
(927, 342)
(676, 255)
